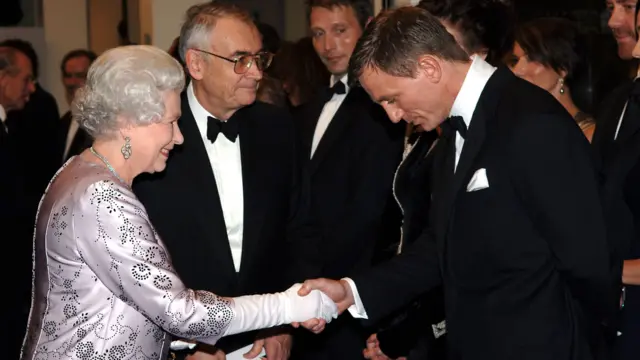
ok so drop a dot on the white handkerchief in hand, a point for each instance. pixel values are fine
(316, 305)
(478, 181)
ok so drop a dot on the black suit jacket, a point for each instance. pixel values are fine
(619, 164)
(351, 173)
(81, 140)
(411, 332)
(524, 262)
(16, 222)
(184, 206)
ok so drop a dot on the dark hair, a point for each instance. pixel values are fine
(25, 48)
(395, 40)
(483, 24)
(363, 9)
(298, 65)
(75, 54)
(556, 43)
(8, 60)
(270, 39)
(636, 19)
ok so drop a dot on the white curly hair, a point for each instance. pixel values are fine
(126, 81)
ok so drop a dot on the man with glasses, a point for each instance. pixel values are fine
(227, 205)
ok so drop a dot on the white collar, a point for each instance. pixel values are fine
(345, 80)
(199, 112)
(3, 114)
(477, 77)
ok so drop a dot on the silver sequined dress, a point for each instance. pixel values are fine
(103, 285)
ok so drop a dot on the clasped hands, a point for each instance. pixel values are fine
(339, 291)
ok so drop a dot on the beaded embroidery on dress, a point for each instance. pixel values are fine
(103, 285)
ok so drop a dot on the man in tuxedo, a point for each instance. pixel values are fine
(617, 154)
(228, 205)
(517, 236)
(74, 68)
(16, 86)
(351, 152)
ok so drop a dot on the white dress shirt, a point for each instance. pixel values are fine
(624, 110)
(464, 105)
(3, 118)
(328, 112)
(73, 129)
(226, 164)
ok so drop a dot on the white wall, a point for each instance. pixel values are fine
(167, 17)
(104, 16)
(65, 29)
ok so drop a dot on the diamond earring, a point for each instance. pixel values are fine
(561, 85)
(126, 148)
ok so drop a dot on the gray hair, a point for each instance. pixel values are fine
(200, 19)
(126, 81)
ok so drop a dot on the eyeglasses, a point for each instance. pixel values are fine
(243, 63)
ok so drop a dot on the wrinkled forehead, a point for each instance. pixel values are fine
(234, 36)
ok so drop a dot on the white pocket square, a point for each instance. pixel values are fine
(478, 181)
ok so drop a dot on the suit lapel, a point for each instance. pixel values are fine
(485, 108)
(204, 195)
(310, 121)
(254, 203)
(335, 130)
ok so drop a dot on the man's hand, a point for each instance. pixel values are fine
(338, 291)
(277, 347)
(207, 352)
(373, 351)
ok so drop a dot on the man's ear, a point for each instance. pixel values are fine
(195, 64)
(430, 68)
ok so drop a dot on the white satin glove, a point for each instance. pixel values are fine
(253, 312)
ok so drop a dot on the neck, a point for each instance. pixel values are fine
(110, 150)
(210, 103)
(567, 103)
(456, 74)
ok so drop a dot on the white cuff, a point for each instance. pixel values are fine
(178, 345)
(356, 310)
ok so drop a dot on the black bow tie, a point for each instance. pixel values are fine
(338, 88)
(229, 128)
(453, 124)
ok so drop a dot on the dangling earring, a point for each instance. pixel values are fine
(561, 85)
(126, 148)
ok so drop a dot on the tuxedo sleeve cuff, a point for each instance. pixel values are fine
(356, 310)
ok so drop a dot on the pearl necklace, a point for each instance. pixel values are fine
(108, 165)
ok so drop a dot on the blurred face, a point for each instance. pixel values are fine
(457, 34)
(15, 89)
(217, 85)
(152, 143)
(622, 24)
(404, 97)
(75, 75)
(534, 72)
(334, 32)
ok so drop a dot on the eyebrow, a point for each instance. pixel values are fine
(244, 52)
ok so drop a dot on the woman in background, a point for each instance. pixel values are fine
(551, 53)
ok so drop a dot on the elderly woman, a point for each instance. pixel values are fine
(103, 282)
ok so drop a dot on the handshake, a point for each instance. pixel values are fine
(316, 302)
